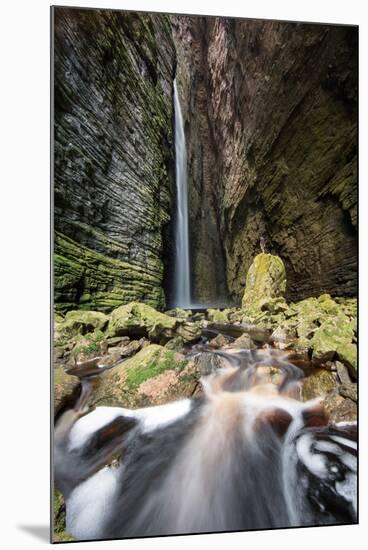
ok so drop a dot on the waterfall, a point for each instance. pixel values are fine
(181, 294)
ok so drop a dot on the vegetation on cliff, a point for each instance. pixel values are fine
(270, 122)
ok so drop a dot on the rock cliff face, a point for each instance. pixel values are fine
(271, 130)
(113, 157)
(270, 122)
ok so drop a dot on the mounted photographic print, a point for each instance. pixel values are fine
(204, 182)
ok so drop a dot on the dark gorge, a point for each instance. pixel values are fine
(269, 111)
(205, 342)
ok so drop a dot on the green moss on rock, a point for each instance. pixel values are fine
(138, 318)
(335, 335)
(266, 278)
(120, 385)
(91, 280)
(217, 316)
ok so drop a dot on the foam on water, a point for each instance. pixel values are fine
(150, 418)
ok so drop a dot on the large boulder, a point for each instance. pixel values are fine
(65, 388)
(339, 408)
(153, 376)
(137, 319)
(335, 337)
(266, 279)
(217, 316)
(79, 322)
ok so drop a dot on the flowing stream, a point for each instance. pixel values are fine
(182, 293)
(245, 453)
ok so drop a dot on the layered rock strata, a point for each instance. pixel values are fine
(271, 130)
(113, 157)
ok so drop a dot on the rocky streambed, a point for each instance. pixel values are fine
(136, 357)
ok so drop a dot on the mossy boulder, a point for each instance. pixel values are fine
(266, 278)
(328, 305)
(349, 306)
(335, 337)
(175, 344)
(188, 331)
(153, 376)
(140, 319)
(79, 323)
(87, 346)
(65, 388)
(217, 316)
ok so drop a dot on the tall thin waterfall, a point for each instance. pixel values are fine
(182, 297)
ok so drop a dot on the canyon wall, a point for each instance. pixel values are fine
(272, 144)
(114, 175)
(270, 121)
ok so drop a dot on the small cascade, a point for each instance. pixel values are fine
(245, 454)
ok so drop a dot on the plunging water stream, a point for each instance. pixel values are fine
(182, 293)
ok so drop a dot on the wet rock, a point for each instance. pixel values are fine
(137, 319)
(279, 337)
(340, 409)
(66, 388)
(117, 341)
(350, 391)
(219, 341)
(112, 358)
(88, 367)
(133, 347)
(319, 383)
(266, 279)
(348, 354)
(208, 363)
(244, 342)
(259, 335)
(58, 352)
(268, 374)
(342, 373)
(122, 385)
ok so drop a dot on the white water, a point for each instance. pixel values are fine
(245, 456)
(182, 294)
